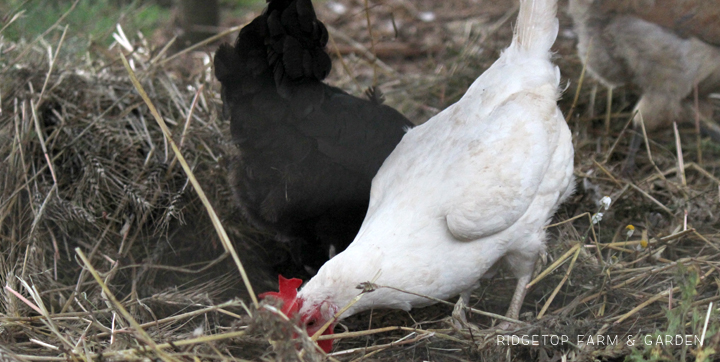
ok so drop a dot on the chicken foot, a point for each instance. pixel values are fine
(459, 317)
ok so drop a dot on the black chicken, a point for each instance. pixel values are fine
(307, 151)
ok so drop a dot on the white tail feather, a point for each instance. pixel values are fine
(537, 26)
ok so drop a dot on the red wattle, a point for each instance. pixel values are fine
(326, 345)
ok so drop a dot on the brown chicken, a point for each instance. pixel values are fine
(664, 47)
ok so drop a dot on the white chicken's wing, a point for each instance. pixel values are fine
(501, 191)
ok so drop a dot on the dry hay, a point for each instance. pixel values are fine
(85, 165)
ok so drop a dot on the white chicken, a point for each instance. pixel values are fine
(472, 186)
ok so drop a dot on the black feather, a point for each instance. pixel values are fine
(293, 58)
(308, 151)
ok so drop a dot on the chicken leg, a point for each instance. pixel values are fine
(522, 264)
(517, 299)
(654, 106)
(459, 317)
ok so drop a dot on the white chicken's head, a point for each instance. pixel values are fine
(312, 316)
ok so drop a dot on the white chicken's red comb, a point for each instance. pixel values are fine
(287, 293)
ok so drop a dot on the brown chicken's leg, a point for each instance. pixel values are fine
(663, 114)
(628, 167)
(704, 113)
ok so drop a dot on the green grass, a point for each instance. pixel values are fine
(684, 319)
(92, 20)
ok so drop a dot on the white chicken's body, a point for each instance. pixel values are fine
(473, 185)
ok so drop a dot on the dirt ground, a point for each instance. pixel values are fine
(114, 191)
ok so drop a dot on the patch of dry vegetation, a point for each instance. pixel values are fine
(107, 252)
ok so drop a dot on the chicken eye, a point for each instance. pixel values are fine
(311, 323)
